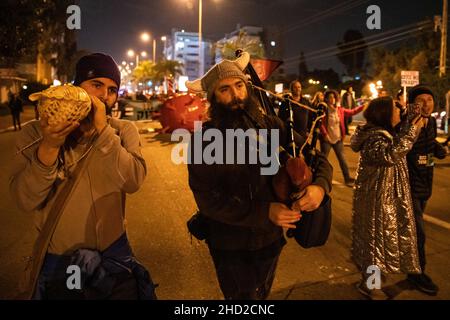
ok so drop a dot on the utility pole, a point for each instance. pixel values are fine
(443, 56)
(154, 50)
(200, 49)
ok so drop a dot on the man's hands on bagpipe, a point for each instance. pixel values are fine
(310, 199)
(282, 216)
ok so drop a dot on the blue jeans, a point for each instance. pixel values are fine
(338, 148)
(113, 274)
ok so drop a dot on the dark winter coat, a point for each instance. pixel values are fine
(420, 161)
(300, 116)
(236, 198)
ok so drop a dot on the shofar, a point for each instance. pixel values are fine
(62, 103)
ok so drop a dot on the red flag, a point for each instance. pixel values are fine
(181, 112)
(265, 67)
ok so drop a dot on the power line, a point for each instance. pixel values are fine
(335, 50)
(360, 49)
(289, 64)
(377, 45)
(371, 43)
(340, 8)
(398, 29)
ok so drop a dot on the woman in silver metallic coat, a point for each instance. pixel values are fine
(383, 230)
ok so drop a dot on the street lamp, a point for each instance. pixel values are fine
(164, 39)
(145, 37)
(154, 50)
(200, 12)
(132, 54)
(200, 51)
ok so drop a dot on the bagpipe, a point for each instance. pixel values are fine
(298, 165)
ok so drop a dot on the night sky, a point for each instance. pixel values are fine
(113, 26)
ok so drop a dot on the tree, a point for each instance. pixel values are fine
(250, 44)
(352, 51)
(156, 72)
(18, 36)
(419, 54)
(56, 42)
(31, 26)
(167, 68)
(144, 72)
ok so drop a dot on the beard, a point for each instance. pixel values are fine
(237, 114)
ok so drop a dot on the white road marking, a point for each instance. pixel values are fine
(436, 221)
(426, 217)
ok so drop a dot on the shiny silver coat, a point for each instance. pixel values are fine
(383, 230)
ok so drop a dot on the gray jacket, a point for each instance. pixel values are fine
(383, 228)
(95, 212)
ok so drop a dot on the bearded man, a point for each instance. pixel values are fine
(244, 220)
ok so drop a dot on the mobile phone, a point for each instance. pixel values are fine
(413, 110)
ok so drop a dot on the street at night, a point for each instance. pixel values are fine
(224, 153)
(156, 220)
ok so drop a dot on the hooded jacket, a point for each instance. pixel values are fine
(383, 228)
(94, 216)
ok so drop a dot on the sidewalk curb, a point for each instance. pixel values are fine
(7, 129)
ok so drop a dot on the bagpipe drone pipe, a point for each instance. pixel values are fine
(297, 167)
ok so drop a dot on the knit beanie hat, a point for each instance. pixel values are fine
(222, 70)
(96, 65)
(418, 90)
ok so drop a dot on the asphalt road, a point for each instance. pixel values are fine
(156, 219)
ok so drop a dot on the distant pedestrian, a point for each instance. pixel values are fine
(447, 118)
(16, 107)
(318, 98)
(383, 93)
(300, 115)
(348, 102)
(333, 131)
(36, 111)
